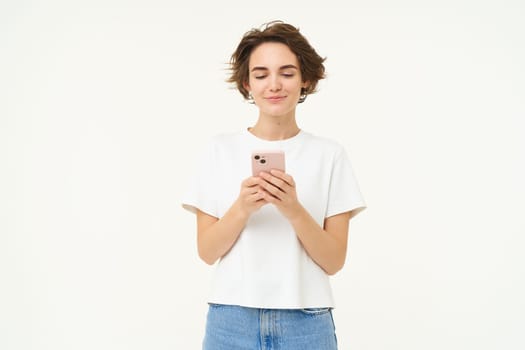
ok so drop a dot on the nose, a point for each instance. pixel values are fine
(275, 83)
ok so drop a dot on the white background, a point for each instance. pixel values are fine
(105, 104)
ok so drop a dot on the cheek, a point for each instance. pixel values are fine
(255, 85)
(294, 87)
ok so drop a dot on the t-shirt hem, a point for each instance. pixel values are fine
(274, 306)
(193, 209)
(354, 210)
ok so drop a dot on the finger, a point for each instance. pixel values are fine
(258, 200)
(283, 176)
(277, 182)
(273, 190)
(257, 195)
(270, 198)
(251, 181)
(250, 191)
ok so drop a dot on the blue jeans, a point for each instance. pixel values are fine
(231, 327)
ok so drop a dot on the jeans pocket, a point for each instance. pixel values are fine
(316, 311)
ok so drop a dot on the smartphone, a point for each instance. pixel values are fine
(266, 161)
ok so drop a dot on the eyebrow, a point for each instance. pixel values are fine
(286, 66)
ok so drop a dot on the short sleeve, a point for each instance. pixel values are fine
(344, 193)
(200, 191)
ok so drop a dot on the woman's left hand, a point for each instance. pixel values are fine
(279, 190)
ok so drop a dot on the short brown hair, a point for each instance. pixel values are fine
(311, 64)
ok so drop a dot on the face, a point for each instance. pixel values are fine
(274, 79)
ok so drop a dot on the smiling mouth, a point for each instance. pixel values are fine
(276, 98)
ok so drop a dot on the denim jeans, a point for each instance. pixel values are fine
(231, 327)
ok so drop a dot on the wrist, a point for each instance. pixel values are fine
(298, 215)
(238, 212)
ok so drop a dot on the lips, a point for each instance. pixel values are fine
(275, 98)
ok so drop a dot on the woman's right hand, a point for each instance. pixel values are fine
(250, 196)
(215, 236)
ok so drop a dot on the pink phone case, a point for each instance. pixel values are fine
(267, 160)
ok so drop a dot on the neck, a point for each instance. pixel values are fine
(275, 128)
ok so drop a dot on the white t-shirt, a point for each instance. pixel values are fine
(267, 267)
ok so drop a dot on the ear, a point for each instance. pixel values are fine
(246, 86)
(306, 84)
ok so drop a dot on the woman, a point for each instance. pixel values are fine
(280, 236)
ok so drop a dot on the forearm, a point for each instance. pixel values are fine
(216, 239)
(327, 250)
